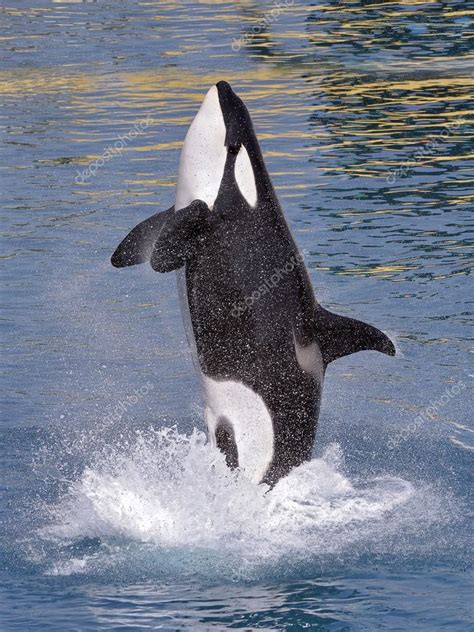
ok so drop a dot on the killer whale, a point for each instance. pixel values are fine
(262, 342)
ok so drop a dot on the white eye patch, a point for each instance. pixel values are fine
(245, 178)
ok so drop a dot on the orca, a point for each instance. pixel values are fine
(262, 342)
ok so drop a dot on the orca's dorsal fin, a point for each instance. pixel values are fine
(339, 336)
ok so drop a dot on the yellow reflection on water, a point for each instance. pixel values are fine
(314, 110)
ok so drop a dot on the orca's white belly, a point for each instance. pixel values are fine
(245, 411)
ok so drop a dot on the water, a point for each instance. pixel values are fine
(115, 513)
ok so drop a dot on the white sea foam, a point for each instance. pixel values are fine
(168, 503)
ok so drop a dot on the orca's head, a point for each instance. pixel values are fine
(220, 145)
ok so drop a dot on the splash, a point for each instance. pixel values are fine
(166, 503)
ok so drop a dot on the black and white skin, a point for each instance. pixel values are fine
(262, 342)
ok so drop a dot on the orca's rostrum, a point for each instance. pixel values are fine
(262, 341)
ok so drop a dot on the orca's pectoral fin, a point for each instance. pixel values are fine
(137, 246)
(166, 239)
(180, 237)
(339, 336)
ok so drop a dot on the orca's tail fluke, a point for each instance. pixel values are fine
(339, 336)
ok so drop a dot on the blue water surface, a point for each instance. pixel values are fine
(115, 513)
